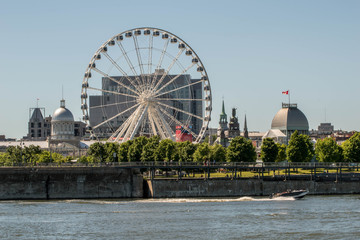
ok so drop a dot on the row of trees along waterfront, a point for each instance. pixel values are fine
(299, 149)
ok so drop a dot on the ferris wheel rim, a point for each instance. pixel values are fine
(208, 102)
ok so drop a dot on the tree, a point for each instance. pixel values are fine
(123, 151)
(136, 149)
(217, 153)
(281, 152)
(185, 151)
(97, 150)
(202, 152)
(300, 148)
(149, 150)
(165, 150)
(14, 154)
(269, 150)
(240, 150)
(110, 148)
(352, 148)
(31, 153)
(47, 157)
(327, 150)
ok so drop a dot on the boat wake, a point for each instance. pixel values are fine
(201, 200)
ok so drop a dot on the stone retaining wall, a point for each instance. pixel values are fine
(70, 183)
(168, 188)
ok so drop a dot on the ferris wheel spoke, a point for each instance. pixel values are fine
(115, 135)
(150, 55)
(174, 78)
(135, 123)
(180, 110)
(151, 120)
(181, 99)
(138, 54)
(117, 115)
(169, 68)
(116, 81)
(178, 122)
(123, 72)
(125, 126)
(139, 122)
(177, 89)
(108, 91)
(148, 77)
(112, 104)
(163, 125)
(166, 44)
(158, 125)
(129, 62)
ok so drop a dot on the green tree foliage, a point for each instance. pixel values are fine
(31, 154)
(217, 153)
(300, 148)
(22, 155)
(123, 151)
(202, 152)
(240, 150)
(166, 150)
(97, 151)
(136, 149)
(14, 154)
(185, 151)
(3, 159)
(269, 150)
(47, 157)
(149, 150)
(352, 148)
(281, 156)
(327, 150)
(110, 148)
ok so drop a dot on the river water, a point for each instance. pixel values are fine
(314, 217)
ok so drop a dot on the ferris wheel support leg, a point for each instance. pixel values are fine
(166, 126)
(158, 123)
(152, 121)
(132, 123)
(139, 122)
(124, 128)
(120, 130)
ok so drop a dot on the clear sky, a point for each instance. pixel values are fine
(252, 51)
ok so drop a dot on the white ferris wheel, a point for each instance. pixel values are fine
(145, 82)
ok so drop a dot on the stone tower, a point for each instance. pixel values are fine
(234, 127)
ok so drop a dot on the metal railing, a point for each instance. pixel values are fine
(196, 164)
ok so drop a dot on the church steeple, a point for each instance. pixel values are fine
(223, 127)
(223, 116)
(246, 133)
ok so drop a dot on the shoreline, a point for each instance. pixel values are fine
(120, 183)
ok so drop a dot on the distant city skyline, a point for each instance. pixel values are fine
(252, 52)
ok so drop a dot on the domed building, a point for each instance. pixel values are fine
(289, 119)
(62, 123)
(62, 126)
